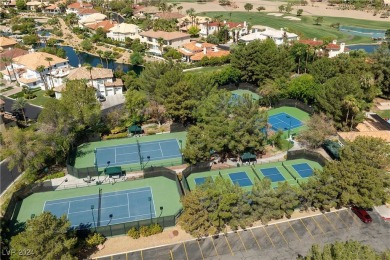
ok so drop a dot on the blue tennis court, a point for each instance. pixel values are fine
(272, 173)
(303, 169)
(201, 180)
(129, 153)
(240, 178)
(283, 122)
(115, 207)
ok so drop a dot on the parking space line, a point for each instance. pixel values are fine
(306, 228)
(142, 255)
(269, 237)
(241, 240)
(127, 257)
(294, 230)
(318, 225)
(227, 242)
(281, 234)
(345, 224)
(330, 222)
(257, 242)
(212, 240)
(170, 251)
(185, 249)
(200, 249)
(353, 217)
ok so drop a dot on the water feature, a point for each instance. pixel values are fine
(365, 32)
(84, 57)
(369, 48)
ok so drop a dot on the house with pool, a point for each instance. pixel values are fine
(37, 70)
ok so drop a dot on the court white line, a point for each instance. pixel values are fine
(44, 206)
(115, 154)
(142, 143)
(128, 204)
(154, 206)
(162, 155)
(67, 214)
(97, 209)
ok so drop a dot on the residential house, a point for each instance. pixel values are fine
(76, 7)
(235, 29)
(100, 78)
(36, 5)
(92, 19)
(52, 9)
(10, 54)
(9, 3)
(141, 12)
(170, 39)
(187, 21)
(195, 51)
(24, 69)
(105, 25)
(122, 31)
(6, 43)
(258, 28)
(330, 50)
(278, 36)
(86, 12)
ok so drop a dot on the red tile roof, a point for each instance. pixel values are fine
(209, 53)
(13, 53)
(105, 25)
(78, 5)
(195, 46)
(88, 11)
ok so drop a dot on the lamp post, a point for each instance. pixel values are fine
(93, 216)
(142, 164)
(181, 150)
(150, 208)
(161, 210)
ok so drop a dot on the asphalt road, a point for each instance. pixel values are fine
(7, 176)
(279, 241)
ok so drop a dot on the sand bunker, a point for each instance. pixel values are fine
(275, 14)
(292, 18)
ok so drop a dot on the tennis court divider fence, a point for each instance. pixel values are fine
(307, 154)
(193, 168)
(294, 103)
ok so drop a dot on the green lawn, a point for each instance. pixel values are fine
(164, 192)
(384, 113)
(305, 28)
(40, 100)
(205, 69)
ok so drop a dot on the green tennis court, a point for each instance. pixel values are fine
(85, 154)
(162, 190)
(295, 113)
(300, 168)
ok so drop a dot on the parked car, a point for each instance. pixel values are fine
(362, 214)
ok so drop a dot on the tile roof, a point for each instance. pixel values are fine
(350, 136)
(124, 28)
(209, 53)
(35, 59)
(92, 18)
(105, 25)
(197, 46)
(83, 73)
(116, 83)
(78, 5)
(12, 53)
(169, 16)
(4, 41)
(317, 43)
(165, 35)
(51, 7)
(88, 11)
(28, 80)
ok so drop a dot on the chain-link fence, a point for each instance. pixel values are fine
(294, 103)
(307, 154)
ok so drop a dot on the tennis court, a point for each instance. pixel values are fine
(112, 208)
(303, 169)
(202, 180)
(284, 122)
(135, 153)
(272, 173)
(241, 179)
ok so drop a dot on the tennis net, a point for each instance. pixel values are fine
(139, 152)
(99, 207)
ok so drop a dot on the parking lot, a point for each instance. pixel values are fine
(277, 241)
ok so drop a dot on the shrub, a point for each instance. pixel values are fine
(118, 130)
(155, 229)
(144, 231)
(115, 136)
(133, 233)
(29, 96)
(53, 176)
(50, 93)
(95, 239)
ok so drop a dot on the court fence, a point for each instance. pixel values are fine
(123, 228)
(152, 172)
(193, 168)
(307, 154)
(294, 103)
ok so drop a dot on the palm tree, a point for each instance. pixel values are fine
(77, 51)
(207, 26)
(100, 53)
(6, 60)
(41, 69)
(350, 103)
(160, 42)
(19, 105)
(90, 68)
(191, 12)
(179, 8)
(106, 55)
(49, 59)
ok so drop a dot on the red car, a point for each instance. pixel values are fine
(362, 214)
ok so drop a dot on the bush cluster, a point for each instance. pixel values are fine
(115, 136)
(145, 231)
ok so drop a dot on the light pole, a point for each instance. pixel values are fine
(150, 208)
(181, 150)
(93, 216)
(161, 211)
(142, 164)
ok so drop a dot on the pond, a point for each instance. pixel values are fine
(369, 48)
(373, 33)
(84, 57)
